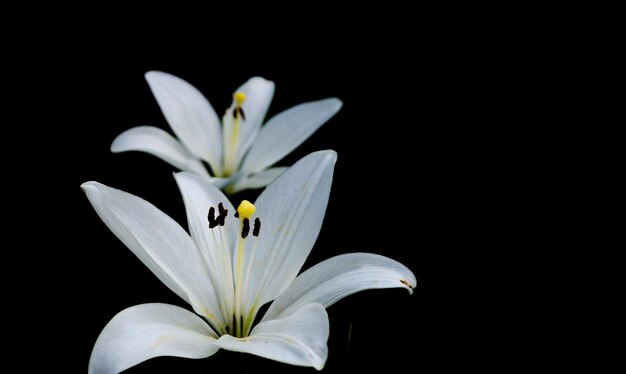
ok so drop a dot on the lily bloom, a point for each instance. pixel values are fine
(230, 264)
(239, 152)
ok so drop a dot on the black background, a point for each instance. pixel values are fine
(423, 144)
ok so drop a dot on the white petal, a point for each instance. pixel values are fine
(158, 143)
(145, 331)
(340, 276)
(223, 182)
(299, 339)
(190, 115)
(286, 131)
(160, 243)
(199, 195)
(259, 179)
(259, 93)
(291, 211)
(219, 182)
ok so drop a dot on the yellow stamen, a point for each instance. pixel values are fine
(240, 97)
(238, 116)
(246, 209)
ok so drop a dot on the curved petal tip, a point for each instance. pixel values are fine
(91, 184)
(408, 286)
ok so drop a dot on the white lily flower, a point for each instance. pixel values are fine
(232, 264)
(240, 152)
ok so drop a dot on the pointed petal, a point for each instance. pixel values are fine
(160, 243)
(340, 276)
(259, 93)
(158, 143)
(291, 211)
(199, 195)
(145, 331)
(259, 179)
(299, 339)
(190, 115)
(287, 130)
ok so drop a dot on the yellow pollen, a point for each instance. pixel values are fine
(246, 209)
(240, 97)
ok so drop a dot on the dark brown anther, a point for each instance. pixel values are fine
(257, 227)
(239, 111)
(236, 214)
(211, 214)
(223, 213)
(212, 221)
(245, 229)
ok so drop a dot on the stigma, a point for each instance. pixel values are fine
(240, 97)
(246, 209)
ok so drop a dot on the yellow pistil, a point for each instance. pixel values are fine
(240, 97)
(238, 115)
(245, 211)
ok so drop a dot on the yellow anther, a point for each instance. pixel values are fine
(240, 97)
(246, 209)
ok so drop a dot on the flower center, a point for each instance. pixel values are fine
(236, 278)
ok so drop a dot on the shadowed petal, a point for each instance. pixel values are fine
(158, 143)
(299, 339)
(259, 179)
(145, 331)
(199, 195)
(160, 243)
